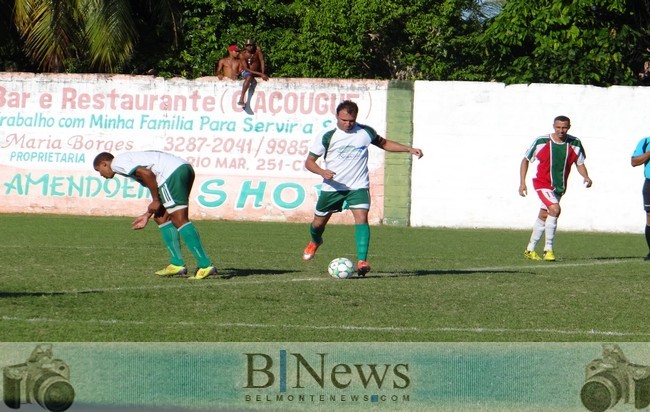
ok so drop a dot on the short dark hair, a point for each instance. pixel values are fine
(102, 157)
(562, 119)
(348, 106)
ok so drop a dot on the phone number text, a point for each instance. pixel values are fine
(264, 146)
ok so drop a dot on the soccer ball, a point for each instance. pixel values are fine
(340, 268)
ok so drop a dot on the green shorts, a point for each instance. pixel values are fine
(175, 192)
(332, 202)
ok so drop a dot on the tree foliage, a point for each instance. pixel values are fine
(598, 42)
(84, 35)
(407, 39)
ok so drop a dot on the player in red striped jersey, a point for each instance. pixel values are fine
(555, 154)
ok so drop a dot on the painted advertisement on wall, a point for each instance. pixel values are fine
(249, 160)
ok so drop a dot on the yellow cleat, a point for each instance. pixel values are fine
(549, 256)
(532, 255)
(172, 270)
(203, 273)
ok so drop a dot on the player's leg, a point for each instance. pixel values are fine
(359, 203)
(172, 242)
(327, 203)
(548, 198)
(549, 230)
(316, 229)
(646, 207)
(647, 234)
(552, 203)
(175, 195)
(536, 235)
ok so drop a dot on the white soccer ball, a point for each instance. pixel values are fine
(340, 268)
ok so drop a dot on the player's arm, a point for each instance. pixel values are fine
(312, 166)
(644, 155)
(523, 171)
(582, 169)
(148, 179)
(641, 159)
(391, 146)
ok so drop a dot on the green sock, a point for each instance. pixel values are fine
(193, 241)
(362, 237)
(316, 234)
(172, 241)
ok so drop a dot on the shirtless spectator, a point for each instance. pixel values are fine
(252, 61)
(229, 67)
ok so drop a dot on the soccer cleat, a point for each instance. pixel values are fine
(310, 250)
(532, 255)
(362, 268)
(549, 255)
(172, 270)
(202, 273)
(647, 257)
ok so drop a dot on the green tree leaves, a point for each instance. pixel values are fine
(597, 42)
(556, 41)
(85, 35)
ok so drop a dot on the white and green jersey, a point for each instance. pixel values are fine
(161, 164)
(346, 154)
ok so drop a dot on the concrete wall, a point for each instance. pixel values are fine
(474, 136)
(249, 161)
(250, 166)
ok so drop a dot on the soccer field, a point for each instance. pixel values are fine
(70, 278)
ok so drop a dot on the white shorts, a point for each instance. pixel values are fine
(548, 197)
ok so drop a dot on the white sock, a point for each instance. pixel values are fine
(551, 225)
(538, 231)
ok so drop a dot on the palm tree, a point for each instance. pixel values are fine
(97, 35)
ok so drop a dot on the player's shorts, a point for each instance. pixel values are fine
(332, 202)
(548, 197)
(175, 192)
(646, 195)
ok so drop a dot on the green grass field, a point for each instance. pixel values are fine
(69, 278)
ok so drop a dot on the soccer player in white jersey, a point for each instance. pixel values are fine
(344, 149)
(169, 180)
(556, 153)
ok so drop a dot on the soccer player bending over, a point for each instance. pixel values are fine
(169, 179)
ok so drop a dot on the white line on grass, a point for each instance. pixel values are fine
(186, 283)
(219, 283)
(334, 327)
(549, 265)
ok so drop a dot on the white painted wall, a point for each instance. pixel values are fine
(474, 136)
